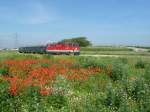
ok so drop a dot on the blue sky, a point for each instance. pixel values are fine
(102, 21)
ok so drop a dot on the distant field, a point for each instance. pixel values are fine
(105, 48)
(116, 53)
(108, 50)
(142, 47)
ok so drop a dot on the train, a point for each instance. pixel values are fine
(60, 48)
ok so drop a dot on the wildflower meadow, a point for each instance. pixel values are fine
(44, 83)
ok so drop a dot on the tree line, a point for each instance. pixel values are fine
(82, 41)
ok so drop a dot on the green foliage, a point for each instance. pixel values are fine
(119, 71)
(140, 64)
(147, 74)
(44, 65)
(32, 100)
(61, 85)
(4, 70)
(91, 61)
(114, 98)
(47, 56)
(4, 96)
(57, 101)
(105, 48)
(8, 103)
(124, 60)
(82, 41)
(138, 91)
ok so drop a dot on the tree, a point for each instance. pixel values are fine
(82, 41)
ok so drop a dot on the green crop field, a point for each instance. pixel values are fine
(105, 48)
(44, 83)
(112, 50)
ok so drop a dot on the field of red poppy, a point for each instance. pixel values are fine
(31, 83)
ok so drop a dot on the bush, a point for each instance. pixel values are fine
(47, 56)
(140, 64)
(4, 96)
(119, 71)
(45, 65)
(32, 100)
(137, 92)
(90, 61)
(94, 102)
(113, 99)
(147, 74)
(57, 101)
(82, 41)
(4, 70)
(123, 60)
(8, 103)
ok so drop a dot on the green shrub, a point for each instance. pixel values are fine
(140, 64)
(119, 71)
(91, 61)
(32, 100)
(47, 56)
(61, 85)
(123, 60)
(23, 56)
(75, 65)
(57, 101)
(147, 74)
(87, 61)
(4, 96)
(82, 41)
(44, 65)
(4, 70)
(8, 103)
(94, 102)
(113, 99)
(138, 92)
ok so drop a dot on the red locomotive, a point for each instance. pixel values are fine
(68, 48)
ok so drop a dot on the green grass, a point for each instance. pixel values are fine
(111, 50)
(105, 48)
(115, 53)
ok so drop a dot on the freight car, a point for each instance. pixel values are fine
(68, 48)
